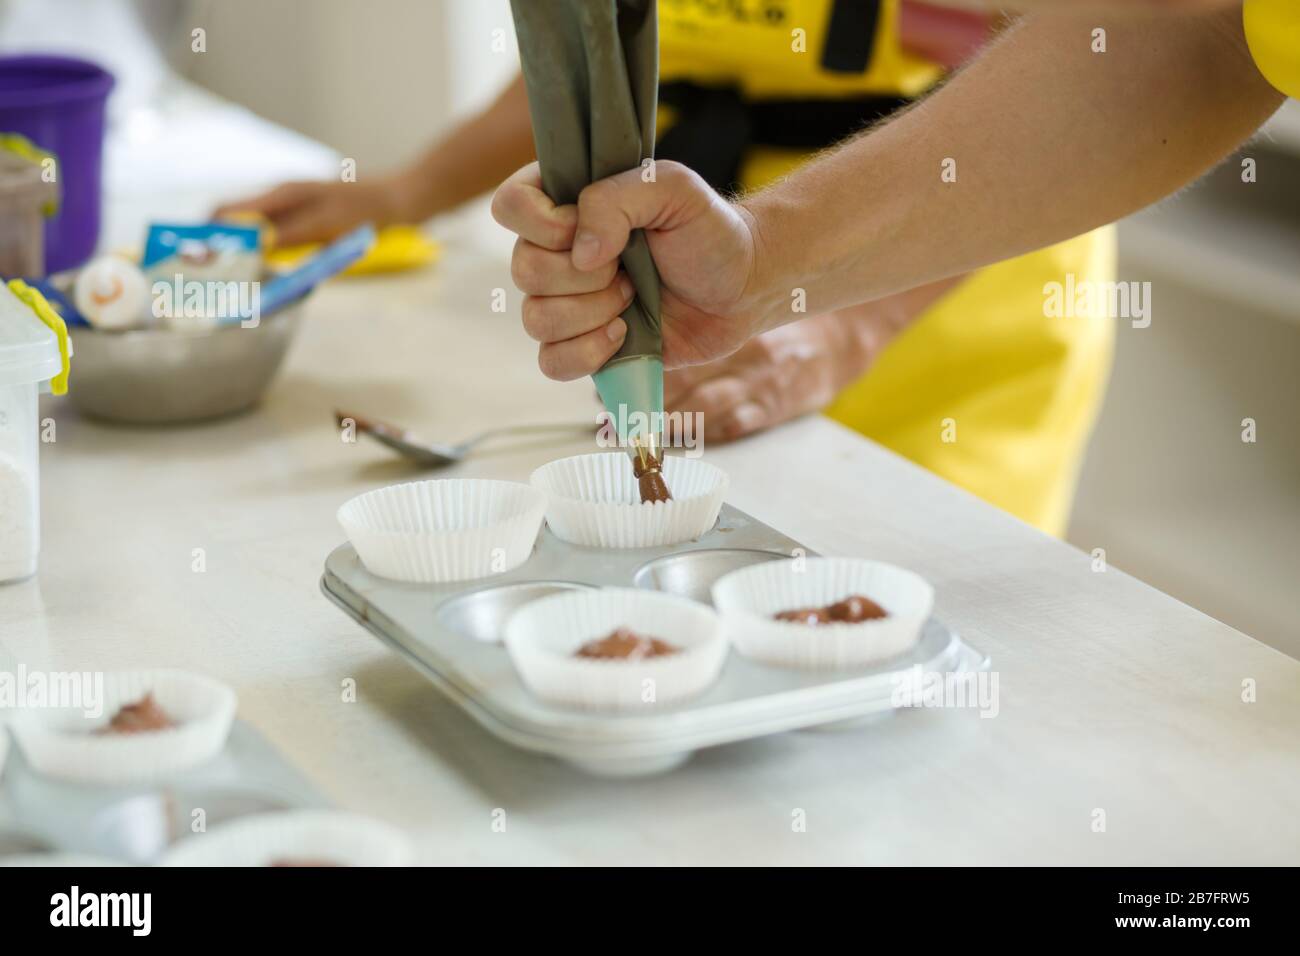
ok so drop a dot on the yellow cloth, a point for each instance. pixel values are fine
(1021, 390)
(753, 44)
(1273, 34)
(396, 249)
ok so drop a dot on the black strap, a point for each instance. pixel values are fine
(710, 134)
(850, 36)
(715, 125)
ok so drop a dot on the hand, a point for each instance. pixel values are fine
(782, 374)
(566, 261)
(320, 211)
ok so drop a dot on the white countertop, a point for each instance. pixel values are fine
(1113, 696)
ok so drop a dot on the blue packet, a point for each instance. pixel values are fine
(215, 250)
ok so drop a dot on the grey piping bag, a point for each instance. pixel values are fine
(591, 68)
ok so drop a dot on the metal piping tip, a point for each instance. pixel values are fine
(647, 454)
(646, 451)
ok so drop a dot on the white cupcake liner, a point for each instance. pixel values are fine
(748, 598)
(451, 529)
(61, 742)
(64, 860)
(543, 636)
(326, 836)
(594, 501)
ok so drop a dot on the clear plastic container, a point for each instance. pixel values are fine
(29, 357)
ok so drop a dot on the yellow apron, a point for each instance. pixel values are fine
(1273, 33)
(982, 389)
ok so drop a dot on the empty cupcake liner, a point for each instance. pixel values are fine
(593, 500)
(748, 598)
(543, 636)
(61, 742)
(294, 838)
(453, 529)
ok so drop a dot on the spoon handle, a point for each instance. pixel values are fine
(573, 428)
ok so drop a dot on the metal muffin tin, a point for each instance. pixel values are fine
(137, 824)
(451, 634)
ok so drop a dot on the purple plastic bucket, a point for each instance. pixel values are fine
(58, 103)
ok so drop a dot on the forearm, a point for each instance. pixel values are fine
(471, 160)
(1049, 140)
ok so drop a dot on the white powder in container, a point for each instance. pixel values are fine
(19, 521)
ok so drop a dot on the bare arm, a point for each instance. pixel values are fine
(470, 160)
(467, 162)
(1048, 140)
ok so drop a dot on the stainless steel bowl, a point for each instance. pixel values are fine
(160, 376)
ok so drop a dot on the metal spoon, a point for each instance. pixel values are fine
(433, 455)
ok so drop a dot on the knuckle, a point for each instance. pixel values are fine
(559, 233)
(543, 324)
(525, 269)
(548, 360)
(505, 205)
(596, 195)
(670, 171)
(494, 207)
(599, 348)
(532, 313)
(612, 300)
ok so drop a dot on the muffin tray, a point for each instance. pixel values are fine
(451, 633)
(135, 825)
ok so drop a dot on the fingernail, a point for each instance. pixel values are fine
(616, 330)
(626, 287)
(585, 248)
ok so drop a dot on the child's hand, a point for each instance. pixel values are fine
(320, 211)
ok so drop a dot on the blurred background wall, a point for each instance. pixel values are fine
(376, 80)
(1169, 489)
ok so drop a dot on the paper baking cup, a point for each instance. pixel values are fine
(342, 839)
(748, 598)
(61, 742)
(452, 529)
(543, 636)
(63, 860)
(593, 500)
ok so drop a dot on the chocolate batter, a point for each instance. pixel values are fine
(650, 479)
(624, 644)
(852, 610)
(141, 717)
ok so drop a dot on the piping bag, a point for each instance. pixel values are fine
(591, 68)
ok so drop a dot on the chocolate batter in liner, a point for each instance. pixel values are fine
(625, 644)
(144, 716)
(852, 610)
